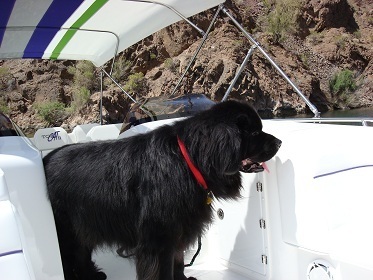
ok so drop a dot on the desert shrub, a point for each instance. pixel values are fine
(282, 18)
(315, 38)
(135, 83)
(357, 34)
(341, 41)
(305, 58)
(80, 98)
(51, 111)
(342, 82)
(83, 72)
(269, 3)
(121, 69)
(370, 20)
(84, 81)
(4, 71)
(168, 63)
(4, 106)
(5, 76)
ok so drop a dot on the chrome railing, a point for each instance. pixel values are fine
(312, 107)
(368, 122)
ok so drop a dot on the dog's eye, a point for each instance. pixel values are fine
(255, 133)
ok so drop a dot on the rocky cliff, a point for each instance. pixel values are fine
(324, 46)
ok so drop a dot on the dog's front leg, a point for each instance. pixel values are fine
(155, 264)
(179, 267)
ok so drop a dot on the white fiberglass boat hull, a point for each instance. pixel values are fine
(308, 216)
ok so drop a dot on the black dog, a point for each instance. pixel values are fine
(139, 193)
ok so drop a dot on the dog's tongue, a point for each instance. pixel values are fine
(264, 165)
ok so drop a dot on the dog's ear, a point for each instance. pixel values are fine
(242, 119)
(224, 149)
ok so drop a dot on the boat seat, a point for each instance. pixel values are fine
(104, 132)
(48, 139)
(79, 133)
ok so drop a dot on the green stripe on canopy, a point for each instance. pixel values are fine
(76, 25)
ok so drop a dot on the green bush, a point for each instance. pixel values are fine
(341, 41)
(343, 82)
(170, 64)
(121, 69)
(3, 106)
(80, 98)
(83, 72)
(135, 83)
(4, 71)
(305, 58)
(282, 19)
(5, 76)
(84, 82)
(51, 111)
(315, 38)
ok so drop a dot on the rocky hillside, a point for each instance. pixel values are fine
(324, 46)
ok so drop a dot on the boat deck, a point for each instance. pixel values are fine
(117, 268)
(213, 272)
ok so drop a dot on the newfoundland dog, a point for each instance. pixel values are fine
(150, 194)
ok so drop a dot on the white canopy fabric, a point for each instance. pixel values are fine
(94, 30)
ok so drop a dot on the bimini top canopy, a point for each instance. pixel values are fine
(94, 30)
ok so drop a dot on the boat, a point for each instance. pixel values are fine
(307, 217)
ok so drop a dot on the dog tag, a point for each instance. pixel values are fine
(209, 198)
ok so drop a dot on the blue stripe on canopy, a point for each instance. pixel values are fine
(5, 11)
(56, 15)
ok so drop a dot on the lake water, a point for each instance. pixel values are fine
(353, 113)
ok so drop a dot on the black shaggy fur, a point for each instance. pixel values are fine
(138, 193)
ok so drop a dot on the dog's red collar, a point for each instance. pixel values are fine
(196, 173)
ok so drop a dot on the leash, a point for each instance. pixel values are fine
(196, 254)
(120, 252)
(198, 176)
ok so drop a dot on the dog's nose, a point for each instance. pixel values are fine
(278, 143)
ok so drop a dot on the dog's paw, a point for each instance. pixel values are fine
(185, 278)
(99, 275)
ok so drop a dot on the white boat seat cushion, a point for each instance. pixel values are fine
(79, 133)
(104, 132)
(47, 139)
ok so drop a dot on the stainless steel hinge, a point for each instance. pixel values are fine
(259, 186)
(264, 259)
(262, 223)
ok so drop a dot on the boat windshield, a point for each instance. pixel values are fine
(7, 127)
(160, 108)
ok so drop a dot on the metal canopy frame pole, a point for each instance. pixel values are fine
(118, 85)
(198, 49)
(312, 107)
(243, 65)
(204, 34)
(141, 107)
(101, 94)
